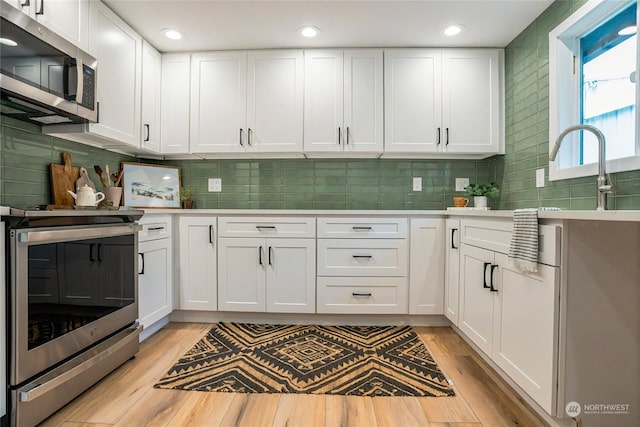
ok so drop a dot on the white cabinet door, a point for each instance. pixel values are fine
(476, 299)
(413, 100)
(218, 102)
(291, 275)
(275, 84)
(363, 100)
(452, 271)
(198, 274)
(155, 293)
(151, 81)
(426, 273)
(323, 102)
(242, 266)
(470, 98)
(524, 343)
(175, 103)
(119, 52)
(67, 18)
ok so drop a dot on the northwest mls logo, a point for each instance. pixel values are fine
(573, 409)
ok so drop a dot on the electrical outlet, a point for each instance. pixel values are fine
(540, 177)
(215, 185)
(417, 183)
(461, 183)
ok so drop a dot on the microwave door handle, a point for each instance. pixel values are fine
(80, 78)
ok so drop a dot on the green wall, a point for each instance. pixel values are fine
(527, 129)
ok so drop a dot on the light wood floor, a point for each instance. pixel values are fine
(127, 398)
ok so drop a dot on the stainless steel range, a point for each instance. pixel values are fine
(73, 304)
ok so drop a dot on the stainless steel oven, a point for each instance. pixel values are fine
(73, 304)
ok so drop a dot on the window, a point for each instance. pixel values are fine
(593, 61)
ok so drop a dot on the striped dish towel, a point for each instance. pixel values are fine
(523, 252)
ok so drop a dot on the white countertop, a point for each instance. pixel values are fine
(611, 215)
(4, 210)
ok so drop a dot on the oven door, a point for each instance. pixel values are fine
(70, 288)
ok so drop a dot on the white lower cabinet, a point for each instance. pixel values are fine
(364, 271)
(263, 272)
(426, 273)
(452, 270)
(155, 269)
(509, 314)
(274, 275)
(198, 273)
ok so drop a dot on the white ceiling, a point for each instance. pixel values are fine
(237, 24)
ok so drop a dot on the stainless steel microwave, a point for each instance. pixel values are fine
(44, 79)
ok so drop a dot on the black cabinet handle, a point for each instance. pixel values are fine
(269, 227)
(358, 228)
(361, 294)
(25, 4)
(91, 257)
(260, 255)
(446, 142)
(339, 136)
(249, 132)
(493, 267)
(347, 134)
(241, 143)
(146, 128)
(484, 275)
(155, 228)
(438, 139)
(453, 232)
(97, 111)
(211, 233)
(362, 256)
(142, 259)
(41, 11)
(270, 250)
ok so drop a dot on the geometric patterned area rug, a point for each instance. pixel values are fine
(346, 360)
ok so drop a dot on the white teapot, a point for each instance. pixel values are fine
(86, 196)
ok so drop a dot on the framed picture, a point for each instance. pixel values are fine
(150, 186)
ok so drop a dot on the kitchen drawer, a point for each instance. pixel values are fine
(362, 295)
(362, 257)
(290, 227)
(362, 228)
(154, 227)
(495, 235)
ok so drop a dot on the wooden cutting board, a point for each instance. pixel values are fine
(63, 178)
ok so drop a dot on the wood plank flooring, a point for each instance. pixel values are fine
(126, 398)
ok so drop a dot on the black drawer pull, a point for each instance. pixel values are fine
(357, 228)
(260, 255)
(142, 266)
(210, 233)
(484, 275)
(155, 228)
(362, 256)
(270, 227)
(453, 232)
(361, 294)
(493, 267)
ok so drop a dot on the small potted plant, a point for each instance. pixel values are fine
(185, 197)
(480, 192)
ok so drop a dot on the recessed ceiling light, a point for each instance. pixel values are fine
(452, 30)
(309, 32)
(7, 42)
(172, 34)
(628, 31)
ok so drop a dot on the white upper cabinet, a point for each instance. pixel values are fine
(275, 83)
(218, 102)
(443, 101)
(119, 52)
(470, 100)
(175, 102)
(246, 102)
(343, 101)
(67, 18)
(151, 81)
(413, 106)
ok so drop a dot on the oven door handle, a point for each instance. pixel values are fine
(41, 389)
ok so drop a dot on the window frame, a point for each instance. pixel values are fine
(565, 90)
